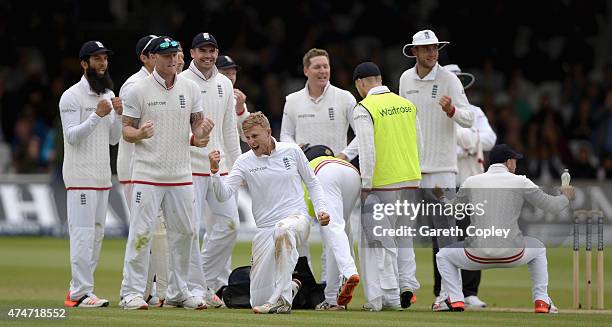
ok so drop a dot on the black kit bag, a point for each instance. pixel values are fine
(236, 293)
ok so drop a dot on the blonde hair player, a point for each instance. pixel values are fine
(273, 172)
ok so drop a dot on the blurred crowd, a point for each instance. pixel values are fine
(546, 88)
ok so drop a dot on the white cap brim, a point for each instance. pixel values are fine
(406, 49)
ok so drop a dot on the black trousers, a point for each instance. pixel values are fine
(470, 278)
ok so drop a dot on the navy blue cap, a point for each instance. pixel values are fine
(365, 69)
(143, 46)
(202, 39)
(91, 48)
(502, 152)
(226, 62)
(164, 44)
(315, 151)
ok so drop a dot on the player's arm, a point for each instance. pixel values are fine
(287, 133)
(364, 130)
(352, 150)
(231, 140)
(224, 188)
(132, 133)
(455, 104)
(76, 131)
(200, 127)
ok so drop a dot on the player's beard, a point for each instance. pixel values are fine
(99, 83)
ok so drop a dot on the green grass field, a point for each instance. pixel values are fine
(34, 273)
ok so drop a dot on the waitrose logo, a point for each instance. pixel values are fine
(394, 111)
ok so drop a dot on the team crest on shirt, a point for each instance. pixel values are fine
(434, 91)
(220, 90)
(182, 101)
(287, 163)
(138, 197)
(330, 112)
(83, 199)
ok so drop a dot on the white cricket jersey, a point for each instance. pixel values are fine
(125, 153)
(86, 137)
(502, 193)
(218, 102)
(438, 130)
(324, 120)
(164, 158)
(471, 143)
(274, 182)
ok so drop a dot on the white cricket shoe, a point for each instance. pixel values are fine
(212, 300)
(473, 302)
(194, 303)
(279, 307)
(135, 303)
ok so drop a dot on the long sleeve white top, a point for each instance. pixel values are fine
(324, 120)
(503, 194)
(364, 129)
(274, 182)
(87, 136)
(217, 94)
(471, 143)
(438, 129)
(125, 153)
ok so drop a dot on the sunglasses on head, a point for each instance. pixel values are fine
(165, 45)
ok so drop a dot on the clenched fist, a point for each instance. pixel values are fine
(117, 105)
(146, 130)
(214, 157)
(446, 103)
(323, 218)
(104, 108)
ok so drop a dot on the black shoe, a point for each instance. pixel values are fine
(406, 299)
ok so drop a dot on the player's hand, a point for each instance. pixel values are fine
(214, 157)
(206, 127)
(364, 194)
(147, 130)
(240, 101)
(104, 108)
(117, 105)
(446, 103)
(342, 156)
(568, 191)
(323, 218)
(201, 142)
(438, 192)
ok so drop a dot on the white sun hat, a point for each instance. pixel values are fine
(466, 79)
(424, 37)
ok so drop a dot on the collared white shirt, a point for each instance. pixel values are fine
(275, 183)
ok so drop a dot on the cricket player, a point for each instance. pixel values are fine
(91, 120)
(504, 193)
(441, 102)
(218, 100)
(157, 280)
(472, 142)
(273, 172)
(320, 113)
(160, 111)
(228, 67)
(388, 131)
(341, 183)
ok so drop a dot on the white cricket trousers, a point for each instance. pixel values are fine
(382, 259)
(177, 204)
(274, 256)
(342, 186)
(454, 257)
(221, 224)
(158, 264)
(86, 210)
